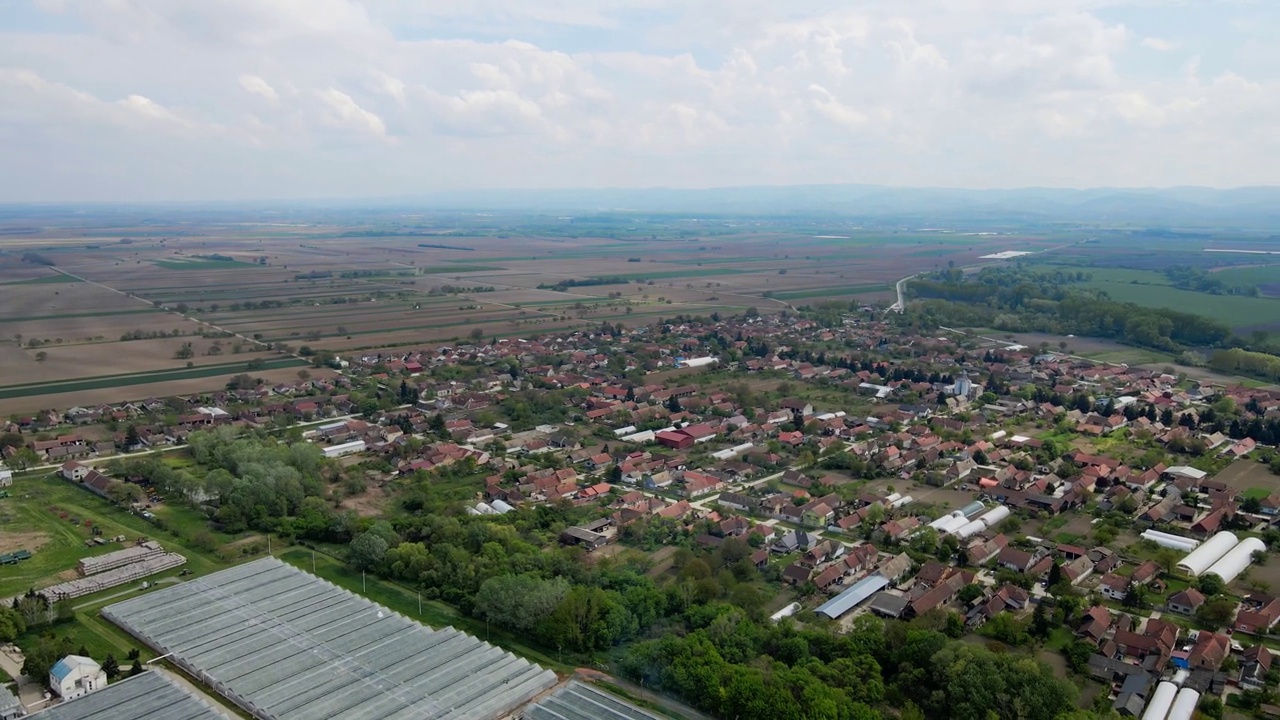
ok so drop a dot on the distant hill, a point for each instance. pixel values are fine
(1249, 207)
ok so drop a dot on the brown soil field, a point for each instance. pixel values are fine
(1244, 474)
(32, 541)
(89, 398)
(111, 358)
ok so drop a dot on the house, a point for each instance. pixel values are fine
(1186, 602)
(6, 478)
(1094, 624)
(736, 501)
(1016, 560)
(1257, 614)
(1254, 665)
(76, 675)
(1209, 651)
(74, 471)
(674, 439)
(1113, 586)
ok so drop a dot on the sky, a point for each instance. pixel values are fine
(159, 100)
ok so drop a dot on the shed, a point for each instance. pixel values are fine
(853, 596)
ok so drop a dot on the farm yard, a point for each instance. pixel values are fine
(119, 313)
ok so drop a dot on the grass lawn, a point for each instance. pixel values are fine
(35, 511)
(434, 613)
(1059, 638)
(1257, 493)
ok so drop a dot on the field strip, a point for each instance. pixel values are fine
(158, 376)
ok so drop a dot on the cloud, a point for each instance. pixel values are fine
(341, 111)
(635, 92)
(260, 87)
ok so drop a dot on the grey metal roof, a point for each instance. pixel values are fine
(8, 701)
(580, 701)
(153, 695)
(286, 645)
(856, 593)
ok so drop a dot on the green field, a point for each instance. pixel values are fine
(454, 269)
(830, 292)
(670, 274)
(46, 280)
(105, 381)
(1235, 311)
(1256, 275)
(1128, 356)
(198, 264)
(1152, 289)
(35, 510)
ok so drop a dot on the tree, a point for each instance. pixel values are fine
(673, 404)
(1217, 612)
(12, 624)
(1210, 584)
(367, 551)
(131, 437)
(519, 602)
(41, 656)
(1055, 575)
(42, 356)
(111, 667)
(23, 458)
(1135, 597)
(1041, 622)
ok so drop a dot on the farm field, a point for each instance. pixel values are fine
(1250, 477)
(366, 283)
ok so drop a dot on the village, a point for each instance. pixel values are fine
(859, 466)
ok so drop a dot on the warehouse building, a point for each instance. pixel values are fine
(853, 596)
(576, 701)
(153, 695)
(285, 645)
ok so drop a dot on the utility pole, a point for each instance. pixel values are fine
(364, 587)
(419, 602)
(313, 562)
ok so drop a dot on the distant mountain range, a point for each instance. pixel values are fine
(1248, 207)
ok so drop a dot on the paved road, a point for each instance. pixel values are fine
(901, 286)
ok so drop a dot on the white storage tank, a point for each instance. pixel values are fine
(1203, 557)
(1161, 701)
(1237, 559)
(1184, 706)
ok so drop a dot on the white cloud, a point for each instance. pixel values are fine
(343, 112)
(260, 87)
(639, 92)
